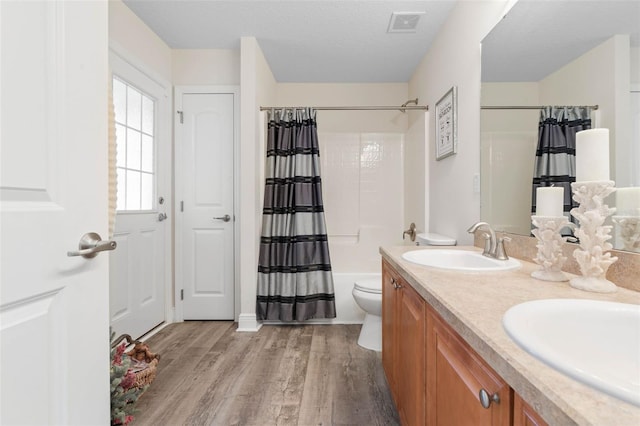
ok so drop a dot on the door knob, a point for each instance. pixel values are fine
(225, 218)
(162, 216)
(91, 244)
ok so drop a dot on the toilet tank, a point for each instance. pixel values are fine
(433, 239)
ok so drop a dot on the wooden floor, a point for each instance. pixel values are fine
(210, 374)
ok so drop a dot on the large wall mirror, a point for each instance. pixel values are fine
(556, 53)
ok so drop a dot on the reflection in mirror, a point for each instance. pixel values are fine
(627, 219)
(560, 53)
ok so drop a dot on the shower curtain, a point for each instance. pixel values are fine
(555, 162)
(294, 271)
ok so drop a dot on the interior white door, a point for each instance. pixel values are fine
(205, 139)
(138, 278)
(54, 317)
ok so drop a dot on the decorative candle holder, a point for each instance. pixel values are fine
(629, 232)
(593, 235)
(550, 242)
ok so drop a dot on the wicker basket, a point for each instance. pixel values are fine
(146, 375)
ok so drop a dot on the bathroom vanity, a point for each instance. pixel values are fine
(448, 359)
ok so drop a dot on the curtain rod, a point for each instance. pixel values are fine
(355, 108)
(525, 107)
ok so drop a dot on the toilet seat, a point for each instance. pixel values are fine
(373, 285)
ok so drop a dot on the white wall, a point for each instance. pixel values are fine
(329, 94)
(416, 170)
(634, 66)
(201, 67)
(128, 32)
(454, 60)
(258, 88)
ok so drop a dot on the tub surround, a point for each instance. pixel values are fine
(473, 305)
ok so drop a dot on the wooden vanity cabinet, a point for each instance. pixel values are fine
(403, 313)
(435, 377)
(456, 376)
(524, 414)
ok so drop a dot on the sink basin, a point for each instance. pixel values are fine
(594, 342)
(459, 260)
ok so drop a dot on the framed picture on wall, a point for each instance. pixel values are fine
(446, 124)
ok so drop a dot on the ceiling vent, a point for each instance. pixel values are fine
(404, 22)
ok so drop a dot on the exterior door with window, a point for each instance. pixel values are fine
(206, 132)
(142, 228)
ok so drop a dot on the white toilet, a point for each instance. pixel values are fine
(433, 239)
(368, 295)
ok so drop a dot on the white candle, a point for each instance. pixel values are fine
(549, 201)
(628, 201)
(592, 155)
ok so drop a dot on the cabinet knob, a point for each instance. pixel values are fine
(486, 399)
(395, 284)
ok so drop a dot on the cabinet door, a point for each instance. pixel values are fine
(411, 379)
(389, 327)
(455, 377)
(524, 414)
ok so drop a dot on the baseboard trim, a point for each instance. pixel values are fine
(154, 331)
(248, 323)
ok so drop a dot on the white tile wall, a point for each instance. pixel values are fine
(363, 194)
(508, 162)
(340, 157)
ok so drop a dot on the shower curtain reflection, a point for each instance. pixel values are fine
(556, 151)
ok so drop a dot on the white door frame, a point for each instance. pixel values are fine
(164, 151)
(635, 150)
(179, 182)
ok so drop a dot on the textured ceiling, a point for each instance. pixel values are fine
(304, 40)
(347, 40)
(538, 37)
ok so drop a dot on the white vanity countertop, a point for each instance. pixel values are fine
(474, 303)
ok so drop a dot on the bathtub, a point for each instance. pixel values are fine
(347, 311)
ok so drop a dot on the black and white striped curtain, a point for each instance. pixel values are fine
(294, 271)
(555, 163)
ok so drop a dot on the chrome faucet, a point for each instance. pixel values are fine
(411, 232)
(492, 247)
